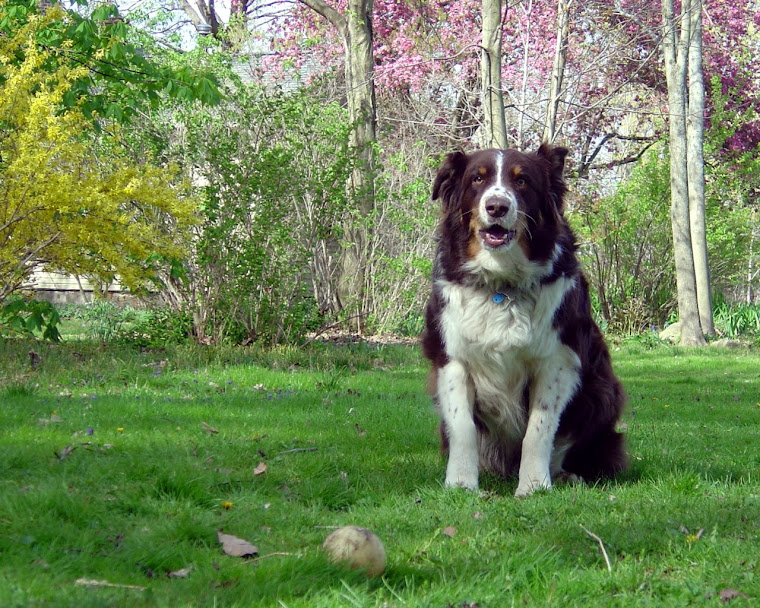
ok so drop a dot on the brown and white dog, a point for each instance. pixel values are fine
(521, 375)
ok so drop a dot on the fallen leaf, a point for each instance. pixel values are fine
(260, 469)
(54, 418)
(65, 452)
(236, 547)
(449, 531)
(209, 429)
(726, 595)
(360, 430)
(181, 573)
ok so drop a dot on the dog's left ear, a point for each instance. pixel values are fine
(556, 157)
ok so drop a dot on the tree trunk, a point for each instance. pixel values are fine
(751, 259)
(675, 50)
(494, 124)
(558, 69)
(355, 29)
(695, 127)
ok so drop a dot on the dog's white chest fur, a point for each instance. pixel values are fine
(503, 345)
(477, 328)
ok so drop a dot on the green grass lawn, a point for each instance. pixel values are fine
(121, 466)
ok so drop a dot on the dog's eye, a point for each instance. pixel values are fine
(478, 179)
(520, 182)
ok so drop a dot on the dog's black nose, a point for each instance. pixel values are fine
(497, 207)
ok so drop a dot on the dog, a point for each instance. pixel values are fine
(521, 375)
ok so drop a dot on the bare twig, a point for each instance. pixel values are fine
(93, 583)
(329, 327)
(296, 450)
(601, 546)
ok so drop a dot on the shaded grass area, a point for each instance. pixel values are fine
(348, 436)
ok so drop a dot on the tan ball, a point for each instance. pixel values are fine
(357, 548)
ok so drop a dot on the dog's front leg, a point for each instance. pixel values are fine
(456, 399)
(554, 384)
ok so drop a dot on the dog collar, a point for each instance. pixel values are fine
(506, 294)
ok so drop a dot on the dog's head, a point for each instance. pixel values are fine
(496, 200)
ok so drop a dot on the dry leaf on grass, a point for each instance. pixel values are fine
(65, 452)
(260, 469)
(208, 428)
(236, 547)
(54, 418)
(449, 531)
(726, 595)
(181, 573)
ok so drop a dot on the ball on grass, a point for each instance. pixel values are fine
(357, 548)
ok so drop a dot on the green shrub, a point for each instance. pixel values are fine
(627, 246)
(271, 170)
(736, 320)
(156, 329)
(25, 317)
(103, 319)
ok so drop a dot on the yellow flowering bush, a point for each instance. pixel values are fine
(67, 203)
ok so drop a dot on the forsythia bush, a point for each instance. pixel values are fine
(67, 201)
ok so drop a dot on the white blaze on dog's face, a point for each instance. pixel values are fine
(504, 196)
(495, 218)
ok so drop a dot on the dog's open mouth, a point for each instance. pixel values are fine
(496, 236)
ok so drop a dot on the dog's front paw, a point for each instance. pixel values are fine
(460, 475)
(528, 486)
(467, 484)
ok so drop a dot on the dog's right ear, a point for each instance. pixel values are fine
(448, 179)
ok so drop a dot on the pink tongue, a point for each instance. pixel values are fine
(496, 237)
(493, 239)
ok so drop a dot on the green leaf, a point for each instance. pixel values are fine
(115, 112)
